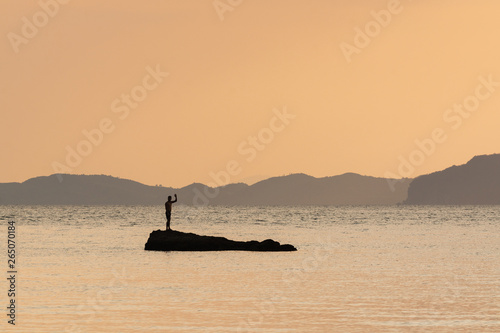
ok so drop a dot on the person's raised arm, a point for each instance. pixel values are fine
(175, 195)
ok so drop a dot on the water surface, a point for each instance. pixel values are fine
(358, 269)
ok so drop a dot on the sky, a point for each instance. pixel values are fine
(224, 91)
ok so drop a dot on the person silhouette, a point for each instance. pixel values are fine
(168, 209)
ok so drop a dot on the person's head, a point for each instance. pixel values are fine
(169, 198)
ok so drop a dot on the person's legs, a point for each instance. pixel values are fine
(168, 220)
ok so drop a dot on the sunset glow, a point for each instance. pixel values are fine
(173, 92)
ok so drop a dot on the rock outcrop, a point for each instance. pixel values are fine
(171, 240)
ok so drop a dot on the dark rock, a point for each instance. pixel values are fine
(171, 240)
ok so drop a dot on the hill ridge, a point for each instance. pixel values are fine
(476, 182)
(293, 189)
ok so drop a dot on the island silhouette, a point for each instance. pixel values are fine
(171, 240)
(476, 182)
(346, 189)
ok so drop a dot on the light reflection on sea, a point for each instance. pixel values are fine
(358, 269)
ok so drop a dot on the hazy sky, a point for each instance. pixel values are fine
(355, 83)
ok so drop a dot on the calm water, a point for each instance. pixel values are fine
(358, 269)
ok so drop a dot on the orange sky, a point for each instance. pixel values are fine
(231, 69)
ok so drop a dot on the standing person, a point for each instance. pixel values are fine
(168, 209)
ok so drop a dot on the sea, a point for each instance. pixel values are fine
(357, 269)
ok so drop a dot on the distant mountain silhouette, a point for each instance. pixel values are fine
(296, 189)
(474, 183)
(81, 190)
(301, 189)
